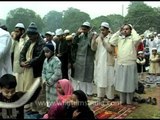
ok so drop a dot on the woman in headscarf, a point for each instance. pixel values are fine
(78, 107)
(64, 91)
(56, 111)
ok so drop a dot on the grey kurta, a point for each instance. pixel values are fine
(84, 64)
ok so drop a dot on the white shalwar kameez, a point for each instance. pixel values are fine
(103, 73)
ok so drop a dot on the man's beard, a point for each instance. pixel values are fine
(18, 37)
(86, 34)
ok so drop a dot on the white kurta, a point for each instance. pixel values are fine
(18, 71)
(28, 72)
(103, 74)
(154, 67)
(5, 53)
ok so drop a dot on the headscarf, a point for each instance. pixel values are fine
(67, 88)
(82, 98)
(56, 111)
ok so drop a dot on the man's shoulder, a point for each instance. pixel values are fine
(4, 33)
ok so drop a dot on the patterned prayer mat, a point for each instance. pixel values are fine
(112, 110)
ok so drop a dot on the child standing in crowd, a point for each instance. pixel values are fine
(140, 64)
(154, 68)
(64, 90)
(146, 55)
(8, 94)
(51, 73)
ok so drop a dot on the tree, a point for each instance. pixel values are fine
(73, 18)
(116, 21)
(157, 19)
(25, 16)
(52, 21)
(141, 16)
(2, 22)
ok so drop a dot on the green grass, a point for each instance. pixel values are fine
(146, 111)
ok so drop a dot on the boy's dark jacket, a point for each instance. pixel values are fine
(16, 113)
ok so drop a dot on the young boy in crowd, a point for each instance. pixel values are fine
(51, 73)
(154, 69)
(141, 64)
(8, 94)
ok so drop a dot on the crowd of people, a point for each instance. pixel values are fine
(69, 64)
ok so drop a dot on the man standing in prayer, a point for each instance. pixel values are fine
(126, 78)
(84, 62)
(104, 63)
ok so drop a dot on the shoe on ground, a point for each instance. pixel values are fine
(142, 100)
(149, 100)
(116, 96)
(154, 101)
(135, 99)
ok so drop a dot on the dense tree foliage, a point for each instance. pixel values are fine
(25, 16)
(52, 21)
(140, 15)
(116, 21)
(2, 22)
(73, 18)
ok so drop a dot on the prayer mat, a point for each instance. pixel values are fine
(111, 110)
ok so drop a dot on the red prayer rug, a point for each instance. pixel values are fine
(112, 110)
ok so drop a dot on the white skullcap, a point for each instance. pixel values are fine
(140, 52)
(66, 31)
(59, 32)
(105, 24)
(86, 24)
(149, 34)
(154, 48)
(158, 35)
(155, 32)
(19, 25)
(49, 33)
(130, 25)
(53, 33)
(73, 34)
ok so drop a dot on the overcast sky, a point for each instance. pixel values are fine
(93, 8)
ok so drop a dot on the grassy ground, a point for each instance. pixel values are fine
(144, 110)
